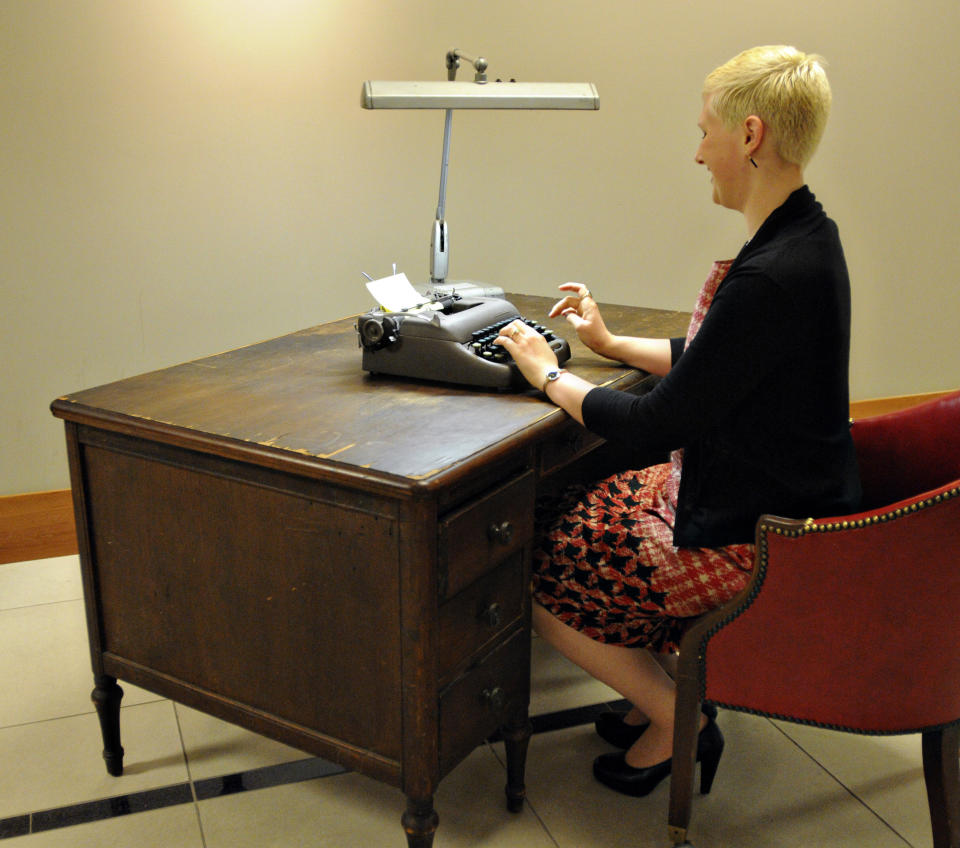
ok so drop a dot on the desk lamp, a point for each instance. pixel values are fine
(479, 94)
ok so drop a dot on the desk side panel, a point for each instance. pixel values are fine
(278, 600)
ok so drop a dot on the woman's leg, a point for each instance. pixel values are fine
(633, 672)
(668, 662)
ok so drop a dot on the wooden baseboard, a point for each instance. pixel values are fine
(881, 406)
(40, 524)
(36, 526)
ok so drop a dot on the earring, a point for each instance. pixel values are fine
(755, 165)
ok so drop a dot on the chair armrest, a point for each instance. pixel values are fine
(845, 619)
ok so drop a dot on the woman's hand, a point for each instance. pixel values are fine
(530, 350)
(582, 312)
(534, 357)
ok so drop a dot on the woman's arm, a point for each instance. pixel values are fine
(535, 358)
(653, 355)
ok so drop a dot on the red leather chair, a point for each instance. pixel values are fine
(850, 623)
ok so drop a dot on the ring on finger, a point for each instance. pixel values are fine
(514, 333)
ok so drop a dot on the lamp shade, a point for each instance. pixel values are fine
(472, 95)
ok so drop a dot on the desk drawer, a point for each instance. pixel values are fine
(484, 533)
(560, 451)
(484, 699)
(481, 612)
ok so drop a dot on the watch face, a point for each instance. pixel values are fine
(552, 375)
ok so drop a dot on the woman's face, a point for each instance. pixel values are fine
(722, 152)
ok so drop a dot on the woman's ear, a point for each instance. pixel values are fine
(753, 132)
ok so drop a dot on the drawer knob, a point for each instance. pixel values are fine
(494, 697)
(492, 616)
(501, 532)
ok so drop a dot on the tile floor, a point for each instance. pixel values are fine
(195, 782)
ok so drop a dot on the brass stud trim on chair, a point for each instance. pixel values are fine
(812, 526)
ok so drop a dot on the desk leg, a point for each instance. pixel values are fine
(516, 739)
(420, 822)
(106, 698)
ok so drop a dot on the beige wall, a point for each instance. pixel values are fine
(178, 177)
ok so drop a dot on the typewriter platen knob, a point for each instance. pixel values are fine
(377, 331)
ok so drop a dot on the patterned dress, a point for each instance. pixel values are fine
(605, 563)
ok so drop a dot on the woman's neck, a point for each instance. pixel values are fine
(770, 191)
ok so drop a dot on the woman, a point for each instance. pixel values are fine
(753, 405)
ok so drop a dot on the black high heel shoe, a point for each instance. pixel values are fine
(612, 769)
(612, 728)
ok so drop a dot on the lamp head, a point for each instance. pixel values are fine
(434, 94)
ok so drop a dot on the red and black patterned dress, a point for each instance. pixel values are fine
(606, 565)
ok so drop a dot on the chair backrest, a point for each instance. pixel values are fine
(851, 621)
(906, 453)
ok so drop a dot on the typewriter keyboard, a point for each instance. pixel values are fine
(483, 339)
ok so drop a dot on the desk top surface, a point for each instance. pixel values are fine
(305, 394)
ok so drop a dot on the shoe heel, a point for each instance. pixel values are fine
(709, 750)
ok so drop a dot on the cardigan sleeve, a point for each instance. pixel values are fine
(743, 338)
(676, 348)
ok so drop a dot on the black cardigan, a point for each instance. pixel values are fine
(760, 400)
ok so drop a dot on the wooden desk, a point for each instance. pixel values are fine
(334, 560)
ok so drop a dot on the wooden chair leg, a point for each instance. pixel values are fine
(685, 731)
(941, 772)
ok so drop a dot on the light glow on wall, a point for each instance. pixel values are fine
(262, 28)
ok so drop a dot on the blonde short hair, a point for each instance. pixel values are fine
(786, 89)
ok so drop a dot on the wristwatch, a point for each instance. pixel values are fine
(551, 376)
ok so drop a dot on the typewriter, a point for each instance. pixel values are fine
(450, 340)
